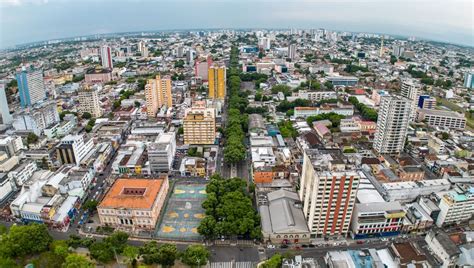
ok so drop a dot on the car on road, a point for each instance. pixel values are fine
(284, 246)
(271, 246)
(360, 242)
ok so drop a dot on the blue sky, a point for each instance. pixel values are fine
(23, 21)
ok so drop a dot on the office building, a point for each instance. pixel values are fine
(106, 57)
(442, 118)
(456, 205)
(410, 89)
(88, 98)
(426, 102)
(161, 153)
(36, 119)
(469, 79)
(217, 81)
(392, 124)
(98, 76)
(157, 94)
(73, 149)
(133, 204)
(199, 126)
(5, 116)
(343, 80)
(292, 51)
(30, 86)
(328, 195)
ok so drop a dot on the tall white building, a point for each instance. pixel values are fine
(73, 149)
(292, 51)
(106, 57)
(5, 116)
(36, 119)
(264, 43)
(411, 89)
(88, 98)
(328, 196)
(392, 123)
(142, 48)
(161, 153)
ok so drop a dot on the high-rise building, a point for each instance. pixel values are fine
(292, 51)
(5, 116)
(328, 196)
(30, 86)
(157, 94)
(142, 48)
(199, 126)
(392, 123)
(469, 79)
(73, 149)
(106, 57)
(398, 50)
(190, 55)
(264, 43)
(217, 81)
(88, 98)
(411, 89)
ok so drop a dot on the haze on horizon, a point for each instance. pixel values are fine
(25, 21)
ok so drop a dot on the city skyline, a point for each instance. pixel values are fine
(26, 21)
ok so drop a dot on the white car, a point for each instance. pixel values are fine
(271, 246)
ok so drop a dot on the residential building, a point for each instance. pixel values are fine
(106, 57)
(73, 149)
(443, 247)
(305, 112)
(217, 81)
(426, 102)
(456, 205)
(292, 51)
(282, 217)
(199, 125)
(37, 118)
(161, 153)
(30, 86)
(157, 94)
(410, 89)
(11, 145)
(441, 118)
(314, 95)
(133, 204)
(5, 116)
(469, 79)
(88, 98)
(343, 80)
(193, 166)
(131, 159)
(7, 187)
(23, 172)
(328, 195)
(393, 117)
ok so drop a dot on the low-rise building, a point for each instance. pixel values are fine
(283, 220)
(456, 205)
(133, 204)
(441, 118)
(161, 153)
(443, 248)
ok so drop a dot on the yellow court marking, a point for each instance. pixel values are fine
(202, 192)
(182, 230)
(191, 191)
(194, 230)
(199, 216)
(179, 191)
(167, 229)
(186, 215)
(173, 214)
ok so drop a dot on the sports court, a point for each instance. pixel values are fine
(183, 213)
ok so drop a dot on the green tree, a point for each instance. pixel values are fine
(8, 263)
(77, 261)
(48, 259)
(23, 240)
(31, 138)
(86, 115)
(91, 205)
(137, 104)
(195, 255)
(117, 241)
(60, 248)
(149, 253)
(131, 253)
(168, 254)
(102, 252)
(274, 262)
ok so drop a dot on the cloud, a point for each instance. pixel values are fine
(6, 3)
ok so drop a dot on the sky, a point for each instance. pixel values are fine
(24, 21)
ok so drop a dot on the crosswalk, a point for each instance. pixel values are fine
(231, 264)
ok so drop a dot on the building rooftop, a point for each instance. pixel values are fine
(132, 193)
